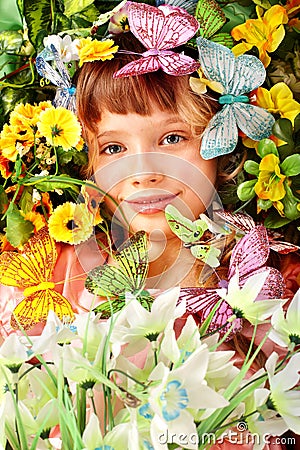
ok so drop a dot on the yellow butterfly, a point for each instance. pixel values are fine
(31, 270)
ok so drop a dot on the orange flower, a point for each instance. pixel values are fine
(265, 33)
(4, 167)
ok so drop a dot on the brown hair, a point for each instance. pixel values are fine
(97, 91)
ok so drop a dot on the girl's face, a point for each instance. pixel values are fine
(147, 162)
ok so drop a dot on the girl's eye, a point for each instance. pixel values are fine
(113, 149)
(172, 139)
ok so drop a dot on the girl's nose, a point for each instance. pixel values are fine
(144, 170)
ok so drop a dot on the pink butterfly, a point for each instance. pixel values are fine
(249, 257)
(245, 223)
(159, 30)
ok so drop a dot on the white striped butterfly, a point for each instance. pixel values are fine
(238, 76)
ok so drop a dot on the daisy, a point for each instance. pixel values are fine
(60, 127)
(93, 50)
(71, 223)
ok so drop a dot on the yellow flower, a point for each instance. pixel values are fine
(92, 198)
(265, 33)
(36, 219)
(60, 127)
(270, 181)
(71, 223)
(279, 100)
(199, 85)
(8, 142)
(25, 119)
(91, 50)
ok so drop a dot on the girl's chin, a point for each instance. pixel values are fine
(155, 225)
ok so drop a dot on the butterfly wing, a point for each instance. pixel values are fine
(206, 253)
(210, 16)
(65, 93)
(201, 301)
(108, 281)
(35, 265)
(128, 276)
(216, 61)
(170, 62)
(35, 309)
(132, 257)
(188, 5)
(184, 228)
(254, 121)
(250, 253)
(161, 28)
(116, 305)
(221, 134)
(238, 221)
(249, 73)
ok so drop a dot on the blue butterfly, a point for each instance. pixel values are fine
(188, 5)
(238, 76)
(65, 94)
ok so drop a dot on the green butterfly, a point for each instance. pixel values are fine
(190, 232)
(211, 19)
(127, 276)
(187, 231)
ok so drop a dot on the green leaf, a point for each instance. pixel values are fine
(18, 230)
(38, 16)
(50, 186)
(26, 204)
(80, 158)
(290, 203)
(3, 200)
(283, 130)
(291, 166)
(297, 123)
(286, 150)
(251, 167)
(75, 6)
(274, 220)
(264, 204)
(246, 191)
(265, 147)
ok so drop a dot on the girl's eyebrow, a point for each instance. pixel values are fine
(172, 120)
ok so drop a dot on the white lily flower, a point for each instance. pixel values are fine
(283, 399)
(286, 327)
(136, 326)
(66, 48)
(179, 349)
(93, 334)
(117, 439)
(55, 332)
(179, 391)
(243, 299)
(78, 368)
(13, 353)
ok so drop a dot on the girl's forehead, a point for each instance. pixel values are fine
(156, 122)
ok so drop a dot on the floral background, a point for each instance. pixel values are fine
(61, 387)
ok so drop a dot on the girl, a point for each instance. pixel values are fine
(143, 133)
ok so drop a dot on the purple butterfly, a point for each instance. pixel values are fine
(245, 223)
(249, 257)
(159, 30)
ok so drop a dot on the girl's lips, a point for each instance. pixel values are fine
(150, 204)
